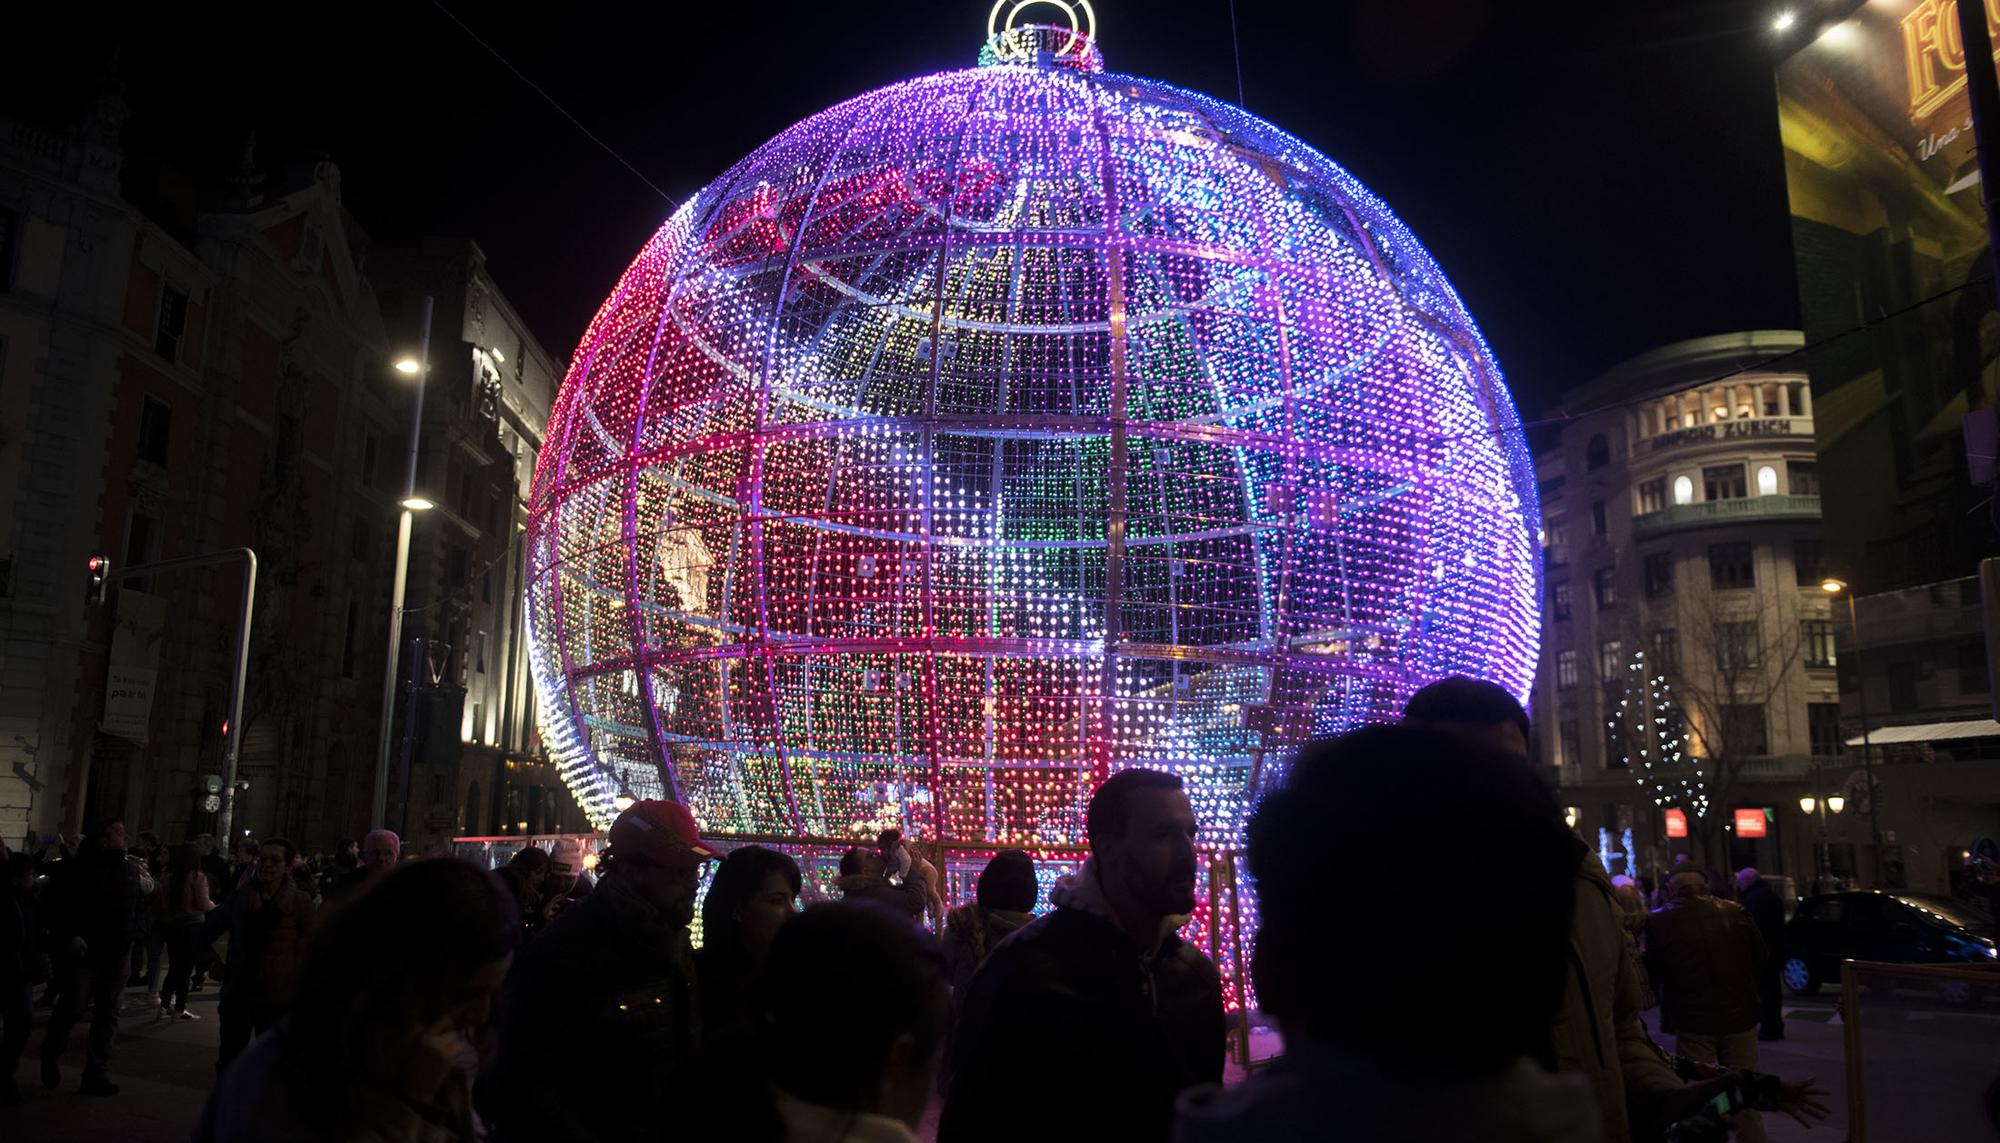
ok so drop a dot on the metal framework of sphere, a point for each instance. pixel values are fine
(1000, 429)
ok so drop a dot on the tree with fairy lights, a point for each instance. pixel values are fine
(1647, 730)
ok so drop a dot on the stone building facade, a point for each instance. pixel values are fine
(1684, 570)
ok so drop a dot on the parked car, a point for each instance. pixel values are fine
(1897, 928)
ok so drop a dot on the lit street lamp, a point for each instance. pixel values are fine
(1836, 803)
(419, 368)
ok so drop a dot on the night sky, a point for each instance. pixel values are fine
(1596, 179)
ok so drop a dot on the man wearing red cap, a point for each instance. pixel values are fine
(598, 1014)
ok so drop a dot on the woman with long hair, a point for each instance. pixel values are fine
(392, 1007)
(753, 893)
(185, 904)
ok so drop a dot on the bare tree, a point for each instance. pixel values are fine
(1739, 649)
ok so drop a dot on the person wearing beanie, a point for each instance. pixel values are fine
(612, 977)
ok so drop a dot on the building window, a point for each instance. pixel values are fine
(1610, 660)
(1565, 669)
(1743, 730)
(371, 449)
(1732, 566)
(361, 540)
(10, 222)
(350, 638)
(1723, 482)
(1902, 688)
(1653, 495)
(156, 419)
(1659, 574)
(1809, 562)
(1598, 524)
(1823, 727)
(1667, 649)
(454, 567)
(1558, 538)
(1559, 600)
(1767, 480)
(141, 536)
(1736, 646)
(286, 449)
(1803, 477)
(486, 586)
(1604, 585)
(1572, 743)
(1597, 453)
(1972, 678)
(1683, 490)
(172, 325)
(479, 652)
(1816, 635)
(1614, 751)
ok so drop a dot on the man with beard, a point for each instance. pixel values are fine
(1101, 993)
(613, 978)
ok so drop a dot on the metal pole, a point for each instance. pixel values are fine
(379, 807)
(417, 662)
(233, 741)
(232, 737)
(1867, 738)
(1982, 88)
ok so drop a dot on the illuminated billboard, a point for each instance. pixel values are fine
(1890, 240)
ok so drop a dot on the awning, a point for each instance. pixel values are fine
(1930, 732)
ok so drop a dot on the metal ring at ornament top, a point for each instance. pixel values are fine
(1086, 29)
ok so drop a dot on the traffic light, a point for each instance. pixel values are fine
(99, 578)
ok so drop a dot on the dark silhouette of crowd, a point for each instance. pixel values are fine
(367, 997)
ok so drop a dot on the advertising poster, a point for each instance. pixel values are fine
(1889, 232)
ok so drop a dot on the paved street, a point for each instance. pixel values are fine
(165, 1069)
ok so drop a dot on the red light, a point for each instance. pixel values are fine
(1750, 823)
(1677, 823)
(96, 562)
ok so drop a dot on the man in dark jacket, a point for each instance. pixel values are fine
(613, 978)
(89, 915)
(1704, 955)
(1101, 993)
(1768, 911)
(268, 919)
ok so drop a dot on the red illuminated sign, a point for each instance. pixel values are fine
(1750, 823)
(1677, 823)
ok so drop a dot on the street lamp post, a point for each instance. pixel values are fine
(411, 504)
(1838, 587)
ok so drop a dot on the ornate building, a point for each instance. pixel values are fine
(1688, 657)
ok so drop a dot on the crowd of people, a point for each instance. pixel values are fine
(374, 998)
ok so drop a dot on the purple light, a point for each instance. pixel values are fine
(999, 429)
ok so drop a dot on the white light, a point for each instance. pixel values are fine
(622, 802)
(1838, 35)
(1784, 21)
(1836, 803)
(499, 356)
(417, 503)
(409, 367)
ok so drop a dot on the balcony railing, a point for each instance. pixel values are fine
(1711, 513)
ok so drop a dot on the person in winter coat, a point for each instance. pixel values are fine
(855, 1063)
(861, 879)
(1375, 1050)
(20, 963)
(268, 919)
(1101, 992)
(394, 1001)
(1003, 902)
(902, 866)
(1706, 954)
(1768, 911)
(753, 894)
(613, 978)
(90, 915)
(185, 905)
(567, 883)
(1597, 1032)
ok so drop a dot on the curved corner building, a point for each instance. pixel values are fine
(999, 429)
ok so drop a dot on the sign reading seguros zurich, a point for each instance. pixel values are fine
(1727, 430)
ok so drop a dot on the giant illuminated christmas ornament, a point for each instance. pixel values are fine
(1000, 429)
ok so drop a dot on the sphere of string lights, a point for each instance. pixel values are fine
(1000, 429)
